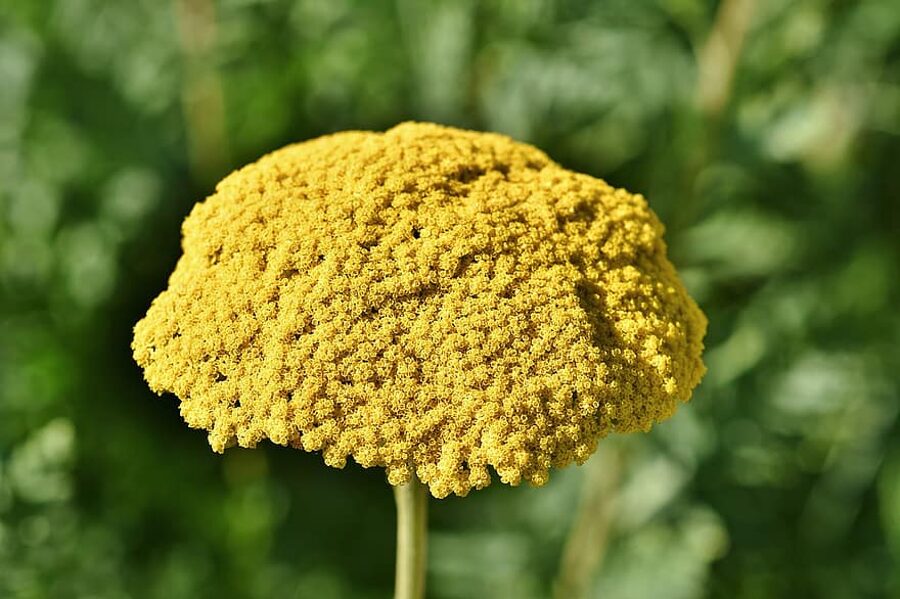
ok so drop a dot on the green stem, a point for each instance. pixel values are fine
(412, 539)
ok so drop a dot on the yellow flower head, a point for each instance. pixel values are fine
(430, 300)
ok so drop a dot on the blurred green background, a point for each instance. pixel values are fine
(766, 134)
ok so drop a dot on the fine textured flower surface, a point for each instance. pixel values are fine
(429, 300)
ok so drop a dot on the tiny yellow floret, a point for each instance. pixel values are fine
(430, 300)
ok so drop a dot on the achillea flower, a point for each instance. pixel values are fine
(429, 300)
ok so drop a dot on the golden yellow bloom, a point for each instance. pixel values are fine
(426, 299)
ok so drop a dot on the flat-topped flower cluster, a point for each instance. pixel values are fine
(428, 300)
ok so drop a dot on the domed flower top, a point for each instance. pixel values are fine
(429, 300)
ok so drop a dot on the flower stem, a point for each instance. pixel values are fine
(412, 539)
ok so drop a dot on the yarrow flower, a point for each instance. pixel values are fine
(437, 302)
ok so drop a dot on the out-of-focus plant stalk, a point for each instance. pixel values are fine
(412, 539)
(717, 59)
(592, 527)
(202, 99)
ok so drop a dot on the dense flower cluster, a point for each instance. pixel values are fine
(429, 300)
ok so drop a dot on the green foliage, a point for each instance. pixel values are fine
(777, 176)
